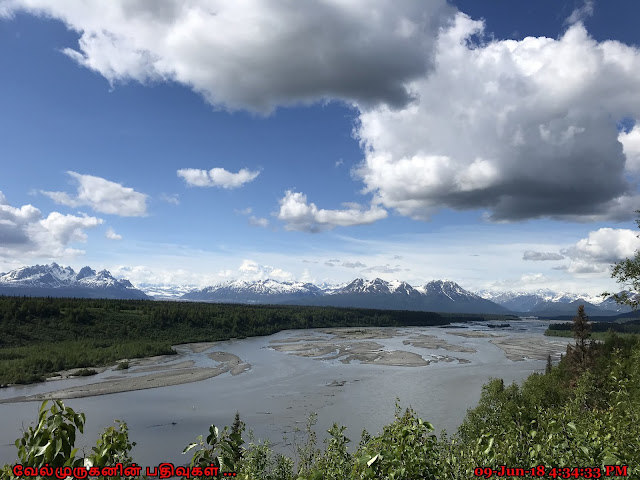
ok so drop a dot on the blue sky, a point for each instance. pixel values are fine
(490, 143)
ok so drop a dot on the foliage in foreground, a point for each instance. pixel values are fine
(578, 414)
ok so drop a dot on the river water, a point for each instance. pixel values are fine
(276, 396)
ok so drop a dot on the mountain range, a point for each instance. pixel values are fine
(56, 281)
(437, 295)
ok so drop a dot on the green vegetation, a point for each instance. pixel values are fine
(84, 372)
(600, 336)
(41, 336)
(598, 329)
(577, 414)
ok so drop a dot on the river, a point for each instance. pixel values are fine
(294, 373)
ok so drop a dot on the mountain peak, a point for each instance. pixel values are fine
(54, 280)
(85, 272)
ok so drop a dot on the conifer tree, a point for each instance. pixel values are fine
(581, 332)
(549, 366)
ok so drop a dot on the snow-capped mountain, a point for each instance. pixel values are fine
(166, 291)
(261, 291)
(448, 296)
(56, 281)
(377, 293)
(436, 296)
(549, 303)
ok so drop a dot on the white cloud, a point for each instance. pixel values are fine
(112, 235)
(250, 270)
(139, 274)
(103, 196)
(217, 177)
(631, 145)
(353, 265)
(383, 269)
(256, 54)
(604, 246)
(523, 129)
(541, 256)
(580, 14)
(258, 222)
(24, 233)
(173, 199)
(532, 278)
(307, 217)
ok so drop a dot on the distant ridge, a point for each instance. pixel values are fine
(548, 303)
(55, 281)
(435, 296)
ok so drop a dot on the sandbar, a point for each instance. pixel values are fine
(433, 343)
(176, 374)
(533, 348)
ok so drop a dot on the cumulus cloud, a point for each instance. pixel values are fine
(139, 274)
(217, 177)
(353, 265)
(631, 146)
(258, 221)
(112, 235)
(605, 246)
(307, 217)
(102, 196)
(541, 256)
(522, 129)
(517, 128)
(256, 54)
(529, 278)
(24, 232)
(250, 270)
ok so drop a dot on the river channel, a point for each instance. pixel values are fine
(349, 376)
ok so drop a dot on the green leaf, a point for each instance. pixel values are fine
(488, 449)
(373, 460)
(189, 447)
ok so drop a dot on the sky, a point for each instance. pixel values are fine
(492, 143)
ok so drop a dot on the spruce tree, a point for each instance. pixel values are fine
(549, 366)
(581, 332)
(236, 437)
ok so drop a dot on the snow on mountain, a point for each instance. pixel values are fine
(548, 302)
(54, 280)
(261, 291)
(165, 290)
(377, 293)
(437, 295)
